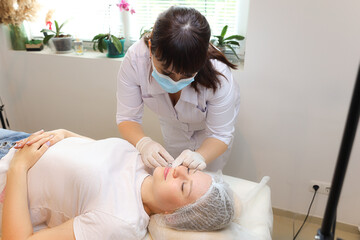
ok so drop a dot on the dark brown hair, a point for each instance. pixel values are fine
(180, 38)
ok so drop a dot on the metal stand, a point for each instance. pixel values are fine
(2, 117)
(340, 170)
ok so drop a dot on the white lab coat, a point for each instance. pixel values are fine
(196, 115)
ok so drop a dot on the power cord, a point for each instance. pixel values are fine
(315, 187)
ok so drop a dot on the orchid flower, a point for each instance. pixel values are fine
(123, 5)
(49, 23)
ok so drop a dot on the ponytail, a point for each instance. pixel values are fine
(208, 76)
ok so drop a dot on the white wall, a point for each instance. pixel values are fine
(48, 91)
(301, 62)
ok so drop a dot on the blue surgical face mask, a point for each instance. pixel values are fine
(168, 84)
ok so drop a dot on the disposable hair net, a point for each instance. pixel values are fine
(212, 211)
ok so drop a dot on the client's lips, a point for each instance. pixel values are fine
(166, 171)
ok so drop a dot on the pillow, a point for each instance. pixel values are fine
(253, 222)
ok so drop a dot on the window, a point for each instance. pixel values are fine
(85, 18)
(218, 12)
(88, 18)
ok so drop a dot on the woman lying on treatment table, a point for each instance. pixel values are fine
(86, 189)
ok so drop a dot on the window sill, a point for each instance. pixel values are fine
(90, 54)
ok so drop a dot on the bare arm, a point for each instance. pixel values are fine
(16, 223)
(211, 148)
(131, 131)
(56, 136)
(16, 218)
(64, 231)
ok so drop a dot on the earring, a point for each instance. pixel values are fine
(149, 44)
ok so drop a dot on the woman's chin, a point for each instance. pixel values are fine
(159, 172)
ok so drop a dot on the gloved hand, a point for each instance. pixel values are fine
(190, 159)
(152, 153)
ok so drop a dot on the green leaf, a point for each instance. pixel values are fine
(98, 36)
(218, 37)
(233, 43)
(94, 46)
(223, 32)
(232, 49)
(47, 30)
(141, 31)
(63, 24)
(57, 28)
(101, 45)
(237, 37)
(220, 40)
(47, 38)
(117, 43)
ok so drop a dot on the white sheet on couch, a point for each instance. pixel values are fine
(254, 221)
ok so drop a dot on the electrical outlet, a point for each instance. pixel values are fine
(324, 187)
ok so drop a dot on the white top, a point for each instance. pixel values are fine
(98, 183)
(196, 115)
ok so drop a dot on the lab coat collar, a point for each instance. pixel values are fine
(189, 95)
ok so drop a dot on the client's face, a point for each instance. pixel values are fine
(176, 187)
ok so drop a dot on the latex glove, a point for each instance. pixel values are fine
(152, 153)
(190, 159)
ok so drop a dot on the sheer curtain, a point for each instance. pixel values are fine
(88, 18)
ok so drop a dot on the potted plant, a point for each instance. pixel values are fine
(62, 42)
(113, 44)
(126, 12)
(34, 45)
(229, 42)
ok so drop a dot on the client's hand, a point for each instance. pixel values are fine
(190, 159)
(152, 153)
(26, 157)
(57, 135)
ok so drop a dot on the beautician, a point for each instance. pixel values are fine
(188, 83)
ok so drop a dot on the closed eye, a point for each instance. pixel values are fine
(169, 74)
(188, 75)
(182, 185)
(166, 73)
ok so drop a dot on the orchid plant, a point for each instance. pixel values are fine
(125, 6)
(100, 43)
(227, 42)
(100, 40)
(57, 33)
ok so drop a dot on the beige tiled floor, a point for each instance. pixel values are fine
(283, 230)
